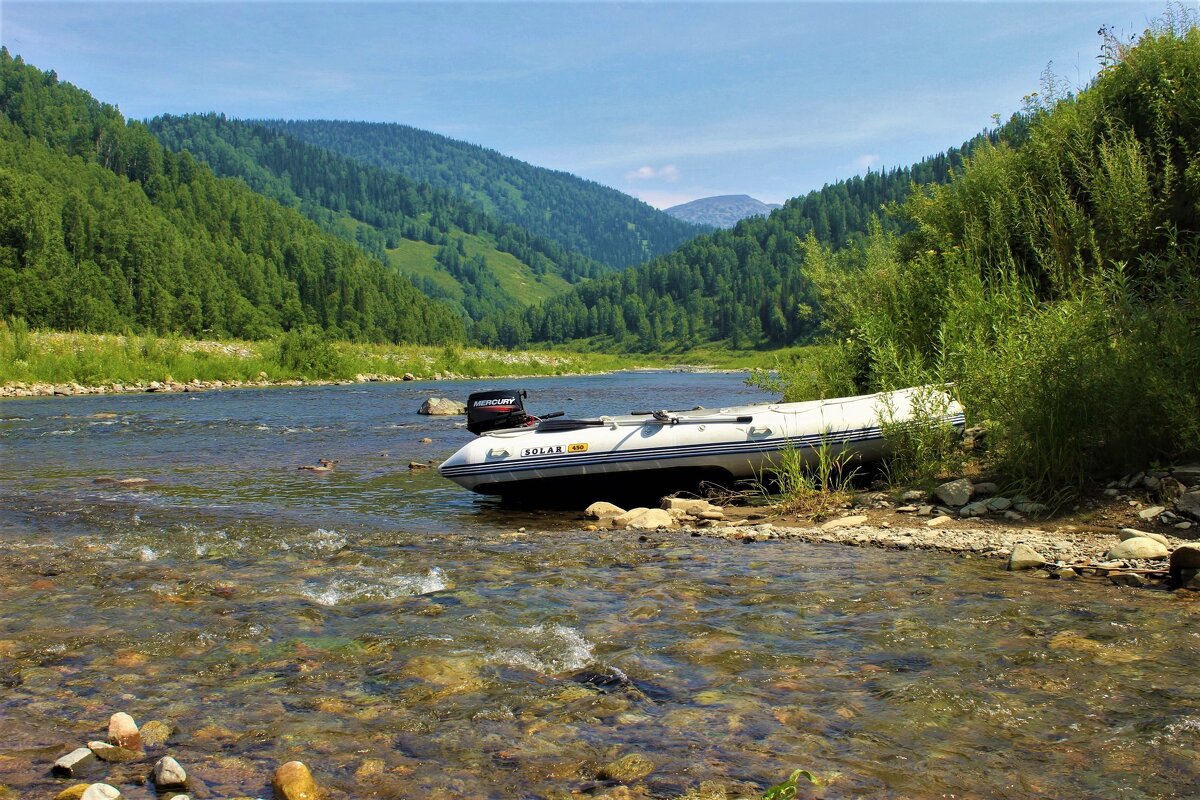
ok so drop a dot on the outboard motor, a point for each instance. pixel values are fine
(489, 411)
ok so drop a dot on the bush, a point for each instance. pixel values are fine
(307, 352)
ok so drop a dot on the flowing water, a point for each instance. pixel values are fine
(407, 639)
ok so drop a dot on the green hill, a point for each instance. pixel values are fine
(444, 244)
(580, 215)
(102, 229)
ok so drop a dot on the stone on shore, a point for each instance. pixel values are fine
(1189, 504)
(442, 407)
(293, 781)
(977, 509)
(1025, 557)
(603, 510)
(984, 489)
(168, 774)
(955, 493)
(1139, 547)
(844, 522)
(1150, 514)
(1133, 533)
(100, 791)
(628, 769)
(691, 507)
(123, 731)
(914, 496)
(937, 521)
(998, 503)
(69, 765)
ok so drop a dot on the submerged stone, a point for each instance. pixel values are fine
(293, 781)
(628, 769)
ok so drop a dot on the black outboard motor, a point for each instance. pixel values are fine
(489, 411)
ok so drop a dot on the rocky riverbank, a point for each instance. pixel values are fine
(1126, 535)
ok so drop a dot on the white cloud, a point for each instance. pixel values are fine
(669, 173)
(866, 161)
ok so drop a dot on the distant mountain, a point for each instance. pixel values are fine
(581, 215)
(722, 211)
(444, 244)
(103, 229)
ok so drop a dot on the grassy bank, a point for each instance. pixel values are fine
(50, 357)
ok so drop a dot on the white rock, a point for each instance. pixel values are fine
(844, 522)
(954, 493)
(603, 510)
(100, 791)
(442, 407)
(168, 774)
(1139, 547)
(1151, 513)
(1133, 533)
(651, 519)
(937, 522)
(73, 761)
(623, 520)
(1025, 557)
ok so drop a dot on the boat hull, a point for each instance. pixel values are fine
(721, 445)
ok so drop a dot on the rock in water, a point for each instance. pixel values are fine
(123, 731)
(100, 791)
(155, 733)
(603, 510)
(632, 767)
(1127, 579)
(955, 493)
(70, 764)
(168, 774)
(442, 407)
(73, 793)
(110, 752)
(1139, 547)
(293, 781)
(1025, 557)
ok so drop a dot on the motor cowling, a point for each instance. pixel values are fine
(494, 410)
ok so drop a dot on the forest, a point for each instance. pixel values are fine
(746, 286)
(383, 207)
(580, 215)
(103, 229)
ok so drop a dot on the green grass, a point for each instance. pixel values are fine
(28, 357)
(515, 276)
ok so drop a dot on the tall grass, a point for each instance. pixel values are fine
(814, 482)
(1056, 285)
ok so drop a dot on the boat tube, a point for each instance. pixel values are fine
(518, 453)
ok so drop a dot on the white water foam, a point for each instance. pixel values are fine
(348, 590)
(146, 554)
(550, 650)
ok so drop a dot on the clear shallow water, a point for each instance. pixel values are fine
(374, 613)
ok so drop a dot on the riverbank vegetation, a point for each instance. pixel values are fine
(50, 357)
(1056, 284)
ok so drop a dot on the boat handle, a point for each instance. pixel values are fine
(496, 452)
(755, 430)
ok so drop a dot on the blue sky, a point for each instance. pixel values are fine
(665, 101)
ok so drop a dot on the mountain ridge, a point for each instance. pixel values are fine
(721, 211)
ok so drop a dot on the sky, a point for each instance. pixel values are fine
(668, 102)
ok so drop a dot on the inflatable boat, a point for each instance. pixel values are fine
(516, 453)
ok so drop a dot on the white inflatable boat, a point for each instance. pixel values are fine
(516, 453)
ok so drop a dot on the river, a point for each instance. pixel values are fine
(407, 639)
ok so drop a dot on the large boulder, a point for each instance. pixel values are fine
(1139, 547)
(955, 493)
(603, 510)
(443, 407)
(123, 731)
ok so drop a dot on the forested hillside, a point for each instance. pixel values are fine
(745, 285)
(102, 229)
(581, 215)
(444, 244)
